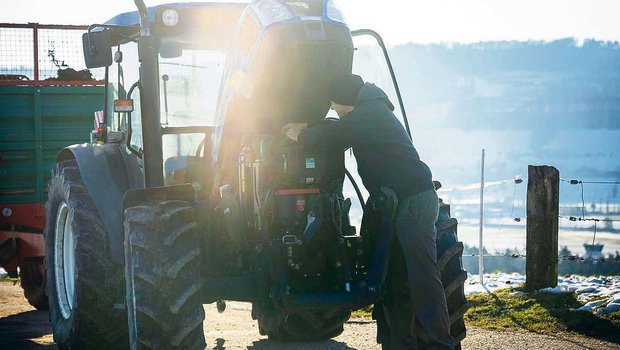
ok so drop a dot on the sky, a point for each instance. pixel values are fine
(398, 21)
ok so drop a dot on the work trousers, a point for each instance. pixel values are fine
(414, 305)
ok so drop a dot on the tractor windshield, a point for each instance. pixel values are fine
(189, 87)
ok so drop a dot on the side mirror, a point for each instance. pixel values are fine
(97, 49)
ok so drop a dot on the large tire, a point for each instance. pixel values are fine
(162, 253)
(33, 282)
(85, 287)
(311, 325)
(453, 276)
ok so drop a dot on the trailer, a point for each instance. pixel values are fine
(46, 103)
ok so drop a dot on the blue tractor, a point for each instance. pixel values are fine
(189, 194)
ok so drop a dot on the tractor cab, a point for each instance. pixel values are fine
(227, 68)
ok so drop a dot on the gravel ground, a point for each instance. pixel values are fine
(21, 327)
(235, 329)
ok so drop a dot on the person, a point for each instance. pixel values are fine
(385, 155)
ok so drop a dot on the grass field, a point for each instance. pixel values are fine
(513, 310)
(510, 309)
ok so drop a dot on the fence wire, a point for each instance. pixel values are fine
(39, 53)
(59, 49)
(16, 53)
(506, 231)
(575, 258)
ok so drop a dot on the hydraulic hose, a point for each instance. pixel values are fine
(357, 189)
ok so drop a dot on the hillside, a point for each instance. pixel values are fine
(554, 103)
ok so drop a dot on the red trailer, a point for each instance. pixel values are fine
(25, 250)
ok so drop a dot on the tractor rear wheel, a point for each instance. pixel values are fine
(453, 276)
(32, 277)
(84, 285)
(162, 253)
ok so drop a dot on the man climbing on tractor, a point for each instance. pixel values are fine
(414, 306)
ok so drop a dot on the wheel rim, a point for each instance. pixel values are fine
(64, 260)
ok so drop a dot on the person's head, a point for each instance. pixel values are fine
(343, 91)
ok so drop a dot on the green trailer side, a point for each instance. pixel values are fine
(36, 122)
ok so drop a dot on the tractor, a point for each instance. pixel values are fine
(190, 194)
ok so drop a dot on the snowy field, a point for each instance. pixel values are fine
(600, 295)
(496, 241)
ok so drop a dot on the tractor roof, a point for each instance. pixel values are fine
(200, 24)
(133, 18)
(209, 25)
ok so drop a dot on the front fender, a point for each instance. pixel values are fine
(108, 171)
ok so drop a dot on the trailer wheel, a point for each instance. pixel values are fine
(33, 282)
(453, 276)
(312, 325)
(162, 255)
(85, 289)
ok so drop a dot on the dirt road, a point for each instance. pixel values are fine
(21, 327)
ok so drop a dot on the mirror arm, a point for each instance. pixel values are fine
(145, 29)
(91, 47)
(109, 26)
(136, 152)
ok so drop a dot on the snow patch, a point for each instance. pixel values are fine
(556, 290)
(605, 289)
(591, 305)
(609, 308)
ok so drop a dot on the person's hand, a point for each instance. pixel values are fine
(292, 130)
(293, 134)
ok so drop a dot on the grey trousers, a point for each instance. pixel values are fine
(415, 305)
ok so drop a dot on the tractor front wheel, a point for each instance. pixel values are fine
(163, 282)
(84, 285)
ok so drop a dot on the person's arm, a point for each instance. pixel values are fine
(341, 132)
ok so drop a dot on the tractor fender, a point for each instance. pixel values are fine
(108, 172)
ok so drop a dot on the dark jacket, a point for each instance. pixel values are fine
(384, 153)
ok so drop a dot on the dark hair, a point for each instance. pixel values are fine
(344, 89)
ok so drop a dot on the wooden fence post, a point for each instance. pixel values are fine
(543, 210)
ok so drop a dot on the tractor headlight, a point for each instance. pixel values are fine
(170, 17)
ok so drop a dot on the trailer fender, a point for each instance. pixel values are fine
(108, 171)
